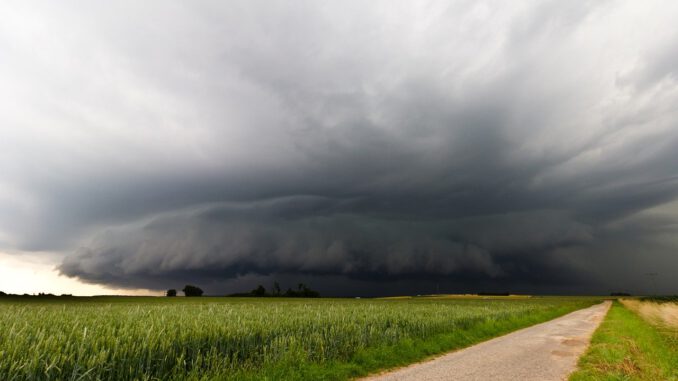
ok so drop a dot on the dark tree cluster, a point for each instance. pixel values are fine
(189, 290)
(502, 293)
(192, 290)
(302, 291)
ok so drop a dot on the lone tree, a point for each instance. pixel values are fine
(259, 291)
(171, 292)
(192, 290)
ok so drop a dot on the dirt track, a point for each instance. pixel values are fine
(547, 351)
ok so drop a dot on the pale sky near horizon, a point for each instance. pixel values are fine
(33, 274)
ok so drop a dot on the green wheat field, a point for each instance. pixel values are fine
(125, 338)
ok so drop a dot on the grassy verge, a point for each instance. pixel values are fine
(405, 352)
(626, 347)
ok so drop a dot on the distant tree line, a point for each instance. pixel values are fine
(39, 295)
(302, 291)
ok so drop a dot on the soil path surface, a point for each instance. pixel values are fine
(543, 352)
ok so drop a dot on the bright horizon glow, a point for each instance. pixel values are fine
(32, 274)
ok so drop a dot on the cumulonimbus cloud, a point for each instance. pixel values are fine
(364, 141)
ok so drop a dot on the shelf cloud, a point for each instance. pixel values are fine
(364, 147)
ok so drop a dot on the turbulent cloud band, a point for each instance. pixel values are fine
(509, 145)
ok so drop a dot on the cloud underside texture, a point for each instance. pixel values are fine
(523, 146)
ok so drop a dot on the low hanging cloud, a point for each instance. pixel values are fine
(524, 146)
(317, 236)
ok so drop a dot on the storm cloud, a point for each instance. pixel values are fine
(382, 146)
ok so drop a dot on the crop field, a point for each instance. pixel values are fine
(661, 313)
(118, 338)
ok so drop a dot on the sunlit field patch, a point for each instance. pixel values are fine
(662, 314)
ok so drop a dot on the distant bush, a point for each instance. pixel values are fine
(190, 290)
(171, 292)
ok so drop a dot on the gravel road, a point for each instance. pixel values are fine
(546, 351)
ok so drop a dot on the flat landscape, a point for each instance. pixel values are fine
(123, 338)
(339, 190)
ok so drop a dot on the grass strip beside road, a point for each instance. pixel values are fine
(626, 347)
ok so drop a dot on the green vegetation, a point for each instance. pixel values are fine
(626, 347)
(661, 299)
(191, 291)
(302, 291)
(118, 338)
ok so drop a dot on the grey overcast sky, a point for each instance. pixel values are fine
(363, 147)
